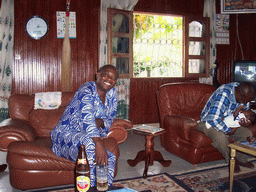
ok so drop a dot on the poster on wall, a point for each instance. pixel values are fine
(61, 15)
(238, 6)
(222, 29)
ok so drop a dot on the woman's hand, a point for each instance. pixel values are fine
(99, 123)
(244, 122)
(101, 156)
(238, 110)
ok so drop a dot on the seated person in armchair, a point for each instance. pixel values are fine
(87, 120)
(224, 101)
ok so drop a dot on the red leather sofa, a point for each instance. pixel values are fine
(180, 106)
(26, 138)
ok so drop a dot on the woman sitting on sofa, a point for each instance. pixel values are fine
(87, 120)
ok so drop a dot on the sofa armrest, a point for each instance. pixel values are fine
(118, 132)
(14, 130)
(179, 125)
(123, 123)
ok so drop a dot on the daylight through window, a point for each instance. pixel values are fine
(157, 45)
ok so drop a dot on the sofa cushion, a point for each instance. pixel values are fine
(199, 139)
(36, 155)
(20, 106)
(189, 124)
(43, 121)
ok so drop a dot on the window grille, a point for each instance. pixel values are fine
(157, 46)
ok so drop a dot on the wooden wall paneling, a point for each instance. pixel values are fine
(143, 103)
(227, 54)
(37, 63)
(38, 68)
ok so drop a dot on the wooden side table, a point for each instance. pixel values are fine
(149, 155)
(240, 147)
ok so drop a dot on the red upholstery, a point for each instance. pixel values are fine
(26, 138)
(180, 106)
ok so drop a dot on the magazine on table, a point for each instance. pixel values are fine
(248, 144)
(148, 129)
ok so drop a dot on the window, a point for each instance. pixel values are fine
(120, 41)
(158, 45)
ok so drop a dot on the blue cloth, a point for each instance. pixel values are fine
(220, 105)
(77, 126)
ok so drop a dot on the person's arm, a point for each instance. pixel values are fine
(216, 111)
(101, 156)
(90, 126)
(100, 123)
(243, 121)
(111, 109)
(86, 116)
(238, 110)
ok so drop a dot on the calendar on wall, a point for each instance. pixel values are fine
(61, 16)
(222, 29)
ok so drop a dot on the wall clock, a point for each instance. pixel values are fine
(37, 27)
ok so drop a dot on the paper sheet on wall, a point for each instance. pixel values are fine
(61, 24)
(222, 29)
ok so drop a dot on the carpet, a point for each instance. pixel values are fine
(207, 180)
(156, 183)
(217, 180)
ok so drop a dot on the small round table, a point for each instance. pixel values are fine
(149, 155)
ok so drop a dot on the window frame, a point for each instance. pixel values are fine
(186, 20)
(111, 34)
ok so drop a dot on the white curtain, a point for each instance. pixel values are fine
(123, 85)
(210, 11)
(6, 54)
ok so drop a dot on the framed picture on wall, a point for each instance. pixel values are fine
(238, 6)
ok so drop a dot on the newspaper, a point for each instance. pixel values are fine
(148, 129)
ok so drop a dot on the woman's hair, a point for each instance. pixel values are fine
(107, 66)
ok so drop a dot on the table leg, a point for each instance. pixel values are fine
(3, 167)
(149, 155)
(141, 156)
(158, 157)
(232, 167)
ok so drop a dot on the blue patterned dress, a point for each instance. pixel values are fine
(77, 126)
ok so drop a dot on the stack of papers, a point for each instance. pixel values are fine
(248, 144)
(148, 129)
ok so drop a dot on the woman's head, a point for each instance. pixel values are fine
(106, 78)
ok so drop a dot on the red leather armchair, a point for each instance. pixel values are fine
(180, 106)
(26, 138)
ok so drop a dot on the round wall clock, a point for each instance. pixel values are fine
(37, 27)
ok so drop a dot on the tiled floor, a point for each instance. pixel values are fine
(128, 150)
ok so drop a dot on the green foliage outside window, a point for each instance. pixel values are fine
(157, 46)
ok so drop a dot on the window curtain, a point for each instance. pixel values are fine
(122, 85)
(6, 54)
(210, 11)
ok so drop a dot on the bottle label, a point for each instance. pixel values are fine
(82, 183)
(82, 161)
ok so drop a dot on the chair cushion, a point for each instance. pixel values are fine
(43, 121)
(36, 155)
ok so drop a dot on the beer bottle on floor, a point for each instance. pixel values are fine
(82, 171)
